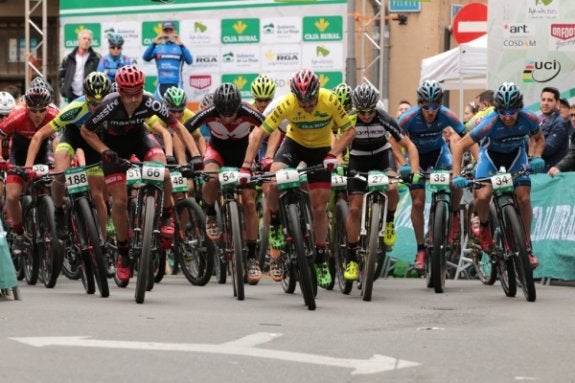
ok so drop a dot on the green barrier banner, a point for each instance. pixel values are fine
(552, 230)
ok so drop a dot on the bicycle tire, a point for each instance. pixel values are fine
(93, 243)
(194, 250)
(49, 249)
(438, 261)
(84, 263)
(289, 280)
(145, 259)
(30, 258)
(339, 245)
(522, 266)
(372, 255)
(505, 267)
(485, 268)
(237, 261)
(304, 270)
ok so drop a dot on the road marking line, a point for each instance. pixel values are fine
(241, 347)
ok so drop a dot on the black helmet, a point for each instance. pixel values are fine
(208, 99)
(227, 99)
(429, 91)
(39, 81)
(365, 97)
(38, 97)
(508, 96)
(97, 85)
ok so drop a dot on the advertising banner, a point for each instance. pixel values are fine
(231, 40)
(532, 43)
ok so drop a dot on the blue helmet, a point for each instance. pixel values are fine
(429, 91)
(115, 39)
(508, 96)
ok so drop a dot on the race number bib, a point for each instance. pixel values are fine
(76, 180)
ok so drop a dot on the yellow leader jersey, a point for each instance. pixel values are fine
(152, 121)
(311, 130)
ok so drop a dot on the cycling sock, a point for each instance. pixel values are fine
(319, 254)
(274, 218)
(166, 211)
(390, 216)
(123, 248)
(251, 245)
(210, 209)
(18, 228)
(351, 254)
(420, 247)
(484, 224)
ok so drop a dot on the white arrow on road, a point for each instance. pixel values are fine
(242, 347)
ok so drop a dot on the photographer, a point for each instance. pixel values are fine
(169, 52)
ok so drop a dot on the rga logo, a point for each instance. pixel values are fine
(541, 71)
(206, 60)
(200, 81)
(511, 30)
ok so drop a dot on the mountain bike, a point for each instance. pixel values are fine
(85, 240)
(509, 256)
(295, 217)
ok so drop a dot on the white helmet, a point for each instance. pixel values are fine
(7, 103)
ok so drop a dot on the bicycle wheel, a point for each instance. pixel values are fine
(485, 268)
(49, 249)
(372, 252)
(194, 250)
(518, 246)
(237, 261)
(81, 258)
(93, 245)
(145, 259)
(339, 245)
(438, 262)
(304, 270)
(289, 279)
(505, 268)
(29, 255)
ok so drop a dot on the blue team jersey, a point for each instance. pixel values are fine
(429, 137)
(170, 59)
(492, 135)
(109, 64)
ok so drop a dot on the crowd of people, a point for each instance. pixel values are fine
(110, 117)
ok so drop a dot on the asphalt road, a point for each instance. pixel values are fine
(471, 333)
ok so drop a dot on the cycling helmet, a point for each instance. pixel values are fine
(39, 81)
(227, 99)
(263, 87)
(305, 85)
(175, 98)
(508, 96)
(344, 93)
(97, 85)
(130, 77)
(38, 97)
(115, 39)
(365, 97)
(208, 99)
(113, 87)
(429, 91)
(7, 103)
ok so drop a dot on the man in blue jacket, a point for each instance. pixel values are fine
(555, 128)
(170, 54)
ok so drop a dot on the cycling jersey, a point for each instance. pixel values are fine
(371, 137)
(429, 137)
(109, 64)
(19, 123)
(74, 114)
(311, 130)
(496, 137)
(170, 58)
(184, 117)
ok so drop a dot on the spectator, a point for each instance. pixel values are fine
(76, 66)
(110, 63)
(554, 127)
(564, 108)
(484, 105)
(14, 91)
(572, 122)
(567, 163)
(470, 110)
(170, 54)
(402, 107)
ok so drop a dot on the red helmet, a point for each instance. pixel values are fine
(130, 76)
(305, 85)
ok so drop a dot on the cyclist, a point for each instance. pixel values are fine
(263, 90)
(501, 136)
(311, 111)
(424, 124)
(7, 103)
(21, 124)
(116, 130)
(207, 100)
(110, 63)
(377, 142)
(230, 121)
(68, 123)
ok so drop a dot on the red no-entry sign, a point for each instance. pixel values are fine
(470, 22)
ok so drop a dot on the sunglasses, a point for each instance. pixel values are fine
(431, 107)
(115, 47)
(571, 114)
(93, 103)
(307, 104)
(37, 110)
(131, 91)
(178, 111)
(263, 99)
(507, 112)
(366, 112)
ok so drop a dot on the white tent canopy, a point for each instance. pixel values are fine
(464, 67)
